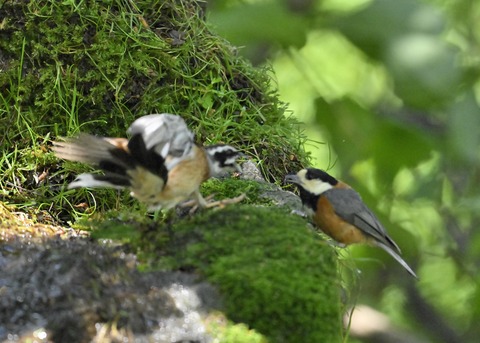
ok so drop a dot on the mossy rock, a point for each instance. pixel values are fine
(277, 278)
(276, 275)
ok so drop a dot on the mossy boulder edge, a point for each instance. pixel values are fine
(275, 273)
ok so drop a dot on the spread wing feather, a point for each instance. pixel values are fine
(89, 149)
(158, 142)
(167, 134)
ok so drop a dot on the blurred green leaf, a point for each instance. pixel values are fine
(349, 126)
(372, 28)
(359, 134)
(464, 129)
(394, 146)
(429, 184)
(424, 70)
(265, 22)
(405, 35)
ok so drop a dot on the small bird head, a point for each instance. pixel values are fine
(311, 180)
(223, 159)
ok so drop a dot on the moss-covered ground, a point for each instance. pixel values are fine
(277, 273)
(273, 271)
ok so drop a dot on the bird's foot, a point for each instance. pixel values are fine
(224, 202)
(194, 204)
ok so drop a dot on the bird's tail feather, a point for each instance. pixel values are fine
(397, 257)
(98, 180)
(114, 156)
(88, 148)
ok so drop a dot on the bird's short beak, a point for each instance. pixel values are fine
(238, 168)
(291, 178)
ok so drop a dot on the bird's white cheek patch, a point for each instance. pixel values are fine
(317, 187)
(230, 160)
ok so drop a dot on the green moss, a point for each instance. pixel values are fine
(95, 66)
(225, 331)
(276, 275)
(232, 187)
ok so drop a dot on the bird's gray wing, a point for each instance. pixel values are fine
(167, 134)
(349, 206)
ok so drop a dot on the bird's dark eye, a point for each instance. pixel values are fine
(310, 175)
(231, 153)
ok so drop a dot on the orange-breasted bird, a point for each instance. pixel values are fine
(160, 163)
(338, 210)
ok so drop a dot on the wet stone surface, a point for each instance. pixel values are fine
(77, 290)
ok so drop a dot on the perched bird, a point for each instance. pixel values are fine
(338, 210)
(160, 163)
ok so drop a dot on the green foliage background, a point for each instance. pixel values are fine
(390, 90)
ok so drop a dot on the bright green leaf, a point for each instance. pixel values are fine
(265, 21)
(424, 70)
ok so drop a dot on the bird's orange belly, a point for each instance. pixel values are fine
(329, 222)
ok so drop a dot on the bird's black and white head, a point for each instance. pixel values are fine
(311, 180)
(223, 159)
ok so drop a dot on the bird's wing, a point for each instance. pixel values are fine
(110, 154)
(397, 258)
(90, 149)
(166, 134)
(349, 206)
(158, 142)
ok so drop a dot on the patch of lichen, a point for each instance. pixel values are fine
(15, 225)
(277, 275)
